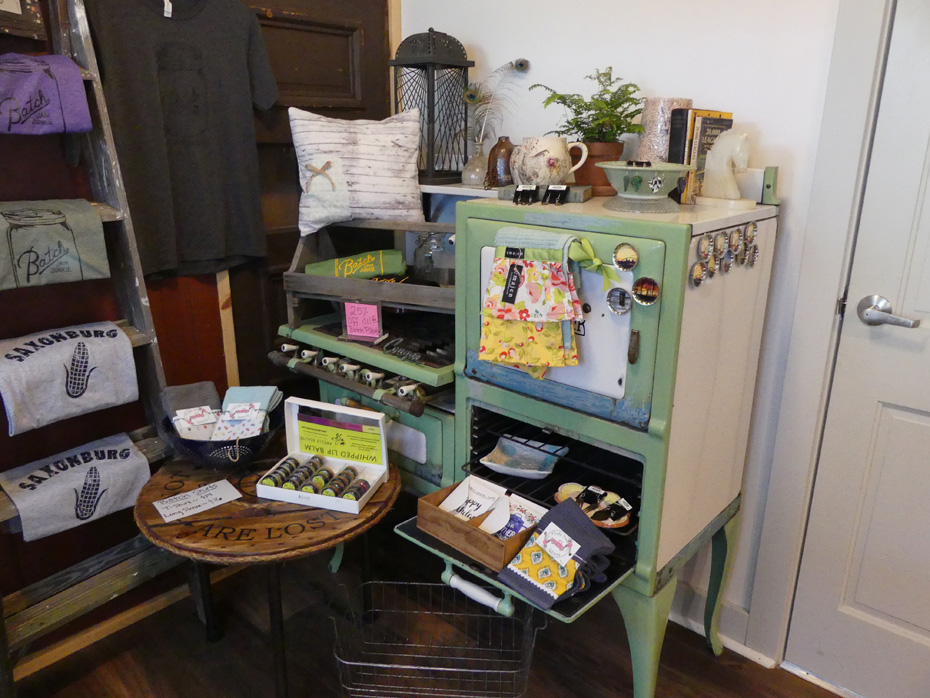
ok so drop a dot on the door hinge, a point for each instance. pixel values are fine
(841, 305)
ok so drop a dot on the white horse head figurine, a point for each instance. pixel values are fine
(730, 151)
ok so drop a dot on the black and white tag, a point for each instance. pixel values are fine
(513, 253)
(512, 284)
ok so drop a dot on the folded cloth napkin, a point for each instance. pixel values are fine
(54, 375)
(50, 242)
(361, 266)
(267, 396)
(185, 397)
(563, 555)
(42, 94)
(73, 487)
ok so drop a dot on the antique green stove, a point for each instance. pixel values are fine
(658, 409)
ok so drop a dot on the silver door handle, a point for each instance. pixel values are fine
(876, 310)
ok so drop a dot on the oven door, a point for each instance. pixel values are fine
(616, 344)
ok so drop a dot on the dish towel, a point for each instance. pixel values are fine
(54, 375)
(42, 94)
(50, 242)
(530, 303)
(562, 557)
(76, 486)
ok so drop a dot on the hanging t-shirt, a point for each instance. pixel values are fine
(180, 92)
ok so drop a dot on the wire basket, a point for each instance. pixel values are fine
(431, 640)
(224, 455)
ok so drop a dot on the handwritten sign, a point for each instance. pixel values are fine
(195, 501)
(363, 320)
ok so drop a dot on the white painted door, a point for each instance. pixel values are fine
(861, 617)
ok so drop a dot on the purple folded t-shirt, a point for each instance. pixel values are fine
(41, 94)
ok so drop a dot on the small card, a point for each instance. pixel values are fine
(560, 546)
(195, 501)
(196, 416)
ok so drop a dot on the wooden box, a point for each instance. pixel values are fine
(466, 536)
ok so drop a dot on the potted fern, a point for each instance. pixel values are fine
(599, 121)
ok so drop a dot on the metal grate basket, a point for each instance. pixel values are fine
(431, 640)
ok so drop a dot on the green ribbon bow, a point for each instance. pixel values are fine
(582, 252)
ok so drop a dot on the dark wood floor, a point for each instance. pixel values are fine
(166, 656)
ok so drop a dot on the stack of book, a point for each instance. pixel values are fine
(692, 132)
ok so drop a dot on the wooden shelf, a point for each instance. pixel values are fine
(458, 190)
(152, 447)
(437, 299)
(137, 337)
(108, 214)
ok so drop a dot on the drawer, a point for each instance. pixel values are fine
(586, 464)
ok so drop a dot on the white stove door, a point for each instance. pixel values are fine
(603, 339)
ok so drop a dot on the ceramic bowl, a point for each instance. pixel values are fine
(643, 187)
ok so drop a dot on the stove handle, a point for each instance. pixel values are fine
(503, 606)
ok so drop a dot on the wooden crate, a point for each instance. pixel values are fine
(466, 536)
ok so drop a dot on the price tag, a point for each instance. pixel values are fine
(362, 320)
(195, 501)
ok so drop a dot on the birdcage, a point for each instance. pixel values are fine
(431, 74)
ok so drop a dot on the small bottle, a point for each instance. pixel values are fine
(357, 490)
(499, 164)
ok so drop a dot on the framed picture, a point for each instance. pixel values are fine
(22, 18)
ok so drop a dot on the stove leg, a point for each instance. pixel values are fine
(722, 545)
(276, 616)
(646, 618)
(6, 664)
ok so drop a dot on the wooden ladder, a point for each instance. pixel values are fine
(51, 603)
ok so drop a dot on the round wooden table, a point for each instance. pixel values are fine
(250, 530)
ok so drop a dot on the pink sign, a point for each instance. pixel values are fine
(363, 320)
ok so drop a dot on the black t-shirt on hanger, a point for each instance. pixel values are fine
(180, 93)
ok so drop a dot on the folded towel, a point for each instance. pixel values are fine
(267, 396)
(42, 94)
(53, 375)
(361, 266)
(185, 397)
(50, 242)
(73, 487)
(560, 559)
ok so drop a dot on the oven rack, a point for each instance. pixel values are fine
(584, 463)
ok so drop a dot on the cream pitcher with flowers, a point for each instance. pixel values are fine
(544, 160)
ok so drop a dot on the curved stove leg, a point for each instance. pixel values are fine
(722, 546)
(646, 618)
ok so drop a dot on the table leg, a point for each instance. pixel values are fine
(202, 593)
(6, 664)
(722, 545)
(276, 615)
(646, 618)
(336, 559)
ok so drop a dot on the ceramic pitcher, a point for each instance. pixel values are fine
(544, 160)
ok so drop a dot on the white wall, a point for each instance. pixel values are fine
(765, 62)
